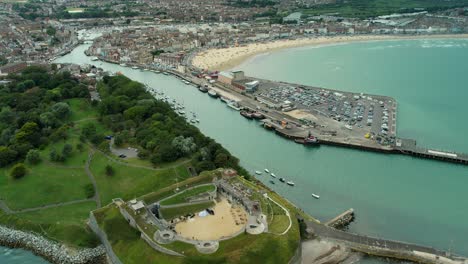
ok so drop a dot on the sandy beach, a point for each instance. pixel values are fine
(228, 58)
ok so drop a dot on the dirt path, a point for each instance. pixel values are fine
(7, 210)
(96, 196)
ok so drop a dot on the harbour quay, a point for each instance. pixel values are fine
(332, 117)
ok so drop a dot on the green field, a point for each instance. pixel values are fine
(372, 8)
(184, 195)
(66, 224)
(44, 184)
(204, 177)
(128, 182)
(171, 213)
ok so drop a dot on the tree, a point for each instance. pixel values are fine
(7, 156)
(18, 171)
(67, 150)
(88, 130)
(51, 31)
(156, 52)
(89, 190)
(185, 145)
(109, 170)
(48, 119)
(61, 110)
(33, 157)
(3, 60)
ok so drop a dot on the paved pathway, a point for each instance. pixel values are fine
(329, 232)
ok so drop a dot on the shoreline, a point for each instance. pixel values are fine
(51, 251)
(229, 58)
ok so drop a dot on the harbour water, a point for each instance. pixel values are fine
(396, 197)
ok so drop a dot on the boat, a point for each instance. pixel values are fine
(267, 171)
(213, 93)
(135, 67)
(187, 82)
(246, 114)
(258, 115)
(234, 105)
(282, 180)
(258, 172)
(315, 196)
(224, 99)
(123, 64)
(290, 183)
(165, 73)
(203, 89)
(272, 182)
(348, 126)
(309, 140)
(94, 58)
(193, 121)
(273, 175)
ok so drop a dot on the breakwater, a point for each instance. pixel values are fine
(49, 250)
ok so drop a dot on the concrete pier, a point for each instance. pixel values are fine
(342, 219)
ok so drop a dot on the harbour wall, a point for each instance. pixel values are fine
(49, 250)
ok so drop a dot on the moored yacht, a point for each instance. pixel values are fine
(290, 183)
(315, 196)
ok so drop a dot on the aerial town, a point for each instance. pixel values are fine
(120, 121)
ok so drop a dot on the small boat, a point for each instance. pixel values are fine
(165, 73)
(348, 126)
(309, 140)
(94, 58)
(157, 71)
(224, 99)
(123, 64)
(272, 182)
(258, 172)
(315, 196)
(213, 93)
(246, 114)
(273, 175)
(203, 89)
(290, 183)
(198, 120)
(187, 82)
(193, 121)
(282, 180)
(234, 105)
(267, 171)
(258, 115)
(135, 67)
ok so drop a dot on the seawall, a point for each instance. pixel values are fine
(49, 250)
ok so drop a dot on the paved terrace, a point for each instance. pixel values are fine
(384, 247)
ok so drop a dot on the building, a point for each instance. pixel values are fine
(12, 68)
(230, 77)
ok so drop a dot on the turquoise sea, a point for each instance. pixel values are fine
(396, 197)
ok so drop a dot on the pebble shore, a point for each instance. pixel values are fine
(51, 251)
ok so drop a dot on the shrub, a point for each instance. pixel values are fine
(109, 170)
(18, 171)
(33, 157)
(89, 190)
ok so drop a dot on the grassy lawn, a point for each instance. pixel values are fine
(66, 224)
(204, 177)
(183, 196)
(76, 159)
(171, 213)
(81, 109)
(127, 182)
(42, 185)
(371, 8)
(279, 224)
(69, 214)
(183, 171)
